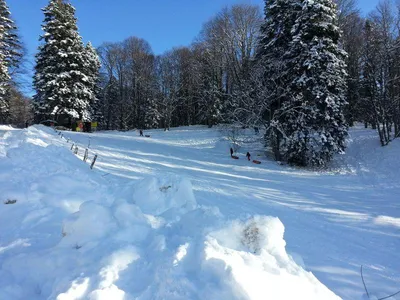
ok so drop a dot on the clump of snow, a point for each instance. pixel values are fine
(91, 223)
(251, 257)
(73, 235)
(167, 194)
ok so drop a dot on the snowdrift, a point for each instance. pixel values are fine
(72, 235)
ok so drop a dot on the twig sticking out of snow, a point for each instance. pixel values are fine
(165, 188)
(366, 290)
(390, 296)
(365, 287)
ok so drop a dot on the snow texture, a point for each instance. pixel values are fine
(72, 235)
(174, 217)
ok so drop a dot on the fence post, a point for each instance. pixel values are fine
(93, 162)
(72, 147)
(76, 150)
(85, 157)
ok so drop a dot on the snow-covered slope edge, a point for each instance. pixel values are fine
(71, 235)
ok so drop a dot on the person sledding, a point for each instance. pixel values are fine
(233, 156)
(248, 155)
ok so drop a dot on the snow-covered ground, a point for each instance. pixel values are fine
(174, 217)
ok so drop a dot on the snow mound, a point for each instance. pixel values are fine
(72, 235)
(250, 257)
(169, 194)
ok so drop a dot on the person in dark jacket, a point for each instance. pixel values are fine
(231, 152)
(248, 156)
(141, 132)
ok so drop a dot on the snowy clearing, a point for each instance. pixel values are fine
(174, 217)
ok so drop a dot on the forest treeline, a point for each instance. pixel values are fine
(304, 71)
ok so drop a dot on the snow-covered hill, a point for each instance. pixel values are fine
(174, 217)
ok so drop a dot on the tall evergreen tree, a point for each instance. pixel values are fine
(314, 124)
(274, 40)
(11, 45)
(61, 81)
(10, 56)
(4, 79)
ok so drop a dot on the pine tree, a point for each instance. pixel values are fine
(11, 46)
(274, 40)
(10, 56)
(314, 124)
(60, 79)
(4, 79)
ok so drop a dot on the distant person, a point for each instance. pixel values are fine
(248, 155)
(231, 152)
(26, 124)
(141, 132)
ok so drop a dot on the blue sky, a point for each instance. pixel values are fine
(163, 23)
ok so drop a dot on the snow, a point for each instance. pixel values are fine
(174, 217)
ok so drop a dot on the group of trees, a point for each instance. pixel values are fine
(289, 77)
(304, 72)
(200, 84)
(11, 54)
(373, 46)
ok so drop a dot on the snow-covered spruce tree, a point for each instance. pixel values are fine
(274, 40)
(11, 45)
(314, 124)
(60, 77)
(4, 79)
(10, 56)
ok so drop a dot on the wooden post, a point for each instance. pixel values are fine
(93, 162)
(85, 157)
(72, 147)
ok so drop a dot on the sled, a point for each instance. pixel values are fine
(147, 136)
(257, 162)
(235, 157)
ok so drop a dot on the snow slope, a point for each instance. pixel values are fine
(174, 217)
(68, 233)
